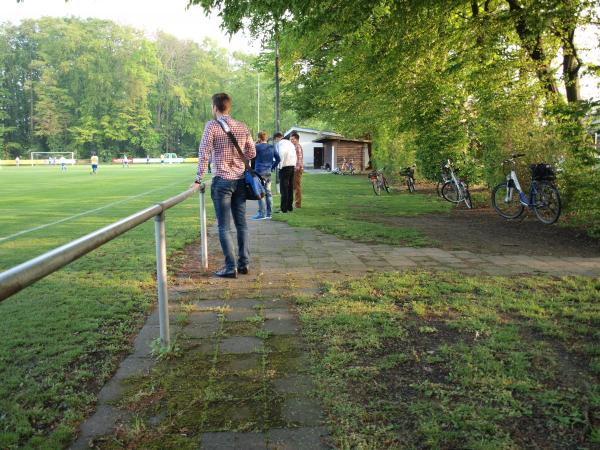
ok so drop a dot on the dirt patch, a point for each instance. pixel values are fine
(484, 231)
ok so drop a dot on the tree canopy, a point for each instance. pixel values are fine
(95, 86)
(473, 80)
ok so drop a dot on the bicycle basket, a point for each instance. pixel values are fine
(542, 171)
(372, 175)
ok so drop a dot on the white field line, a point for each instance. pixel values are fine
(46, 225)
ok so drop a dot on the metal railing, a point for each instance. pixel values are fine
(25, 274)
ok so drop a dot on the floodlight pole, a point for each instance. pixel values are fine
(276, 80)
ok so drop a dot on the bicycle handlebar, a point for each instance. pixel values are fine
(512, 158)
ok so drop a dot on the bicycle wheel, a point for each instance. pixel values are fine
(506, 201)
(386, 186)
(468, 201)
(411, 184)
(546, 202)
(376, 187)
(450, 192)
(438, 187)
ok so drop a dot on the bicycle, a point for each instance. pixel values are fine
(456, 190)
(544, 197)
(443, 179)
(348, 169)
(409, 174)
(378, 181)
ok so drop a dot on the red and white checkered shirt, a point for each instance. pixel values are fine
(227, 162)
(299, 157)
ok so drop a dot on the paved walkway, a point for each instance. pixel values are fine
(247, 332)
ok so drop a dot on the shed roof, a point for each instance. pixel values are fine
(310, 130)
(341, 138)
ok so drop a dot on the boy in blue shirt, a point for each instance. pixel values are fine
(266, 160)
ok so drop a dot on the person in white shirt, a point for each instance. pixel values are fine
(287, 155)
(63, 163)
(17, 161)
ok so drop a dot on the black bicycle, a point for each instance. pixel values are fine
(409, 174)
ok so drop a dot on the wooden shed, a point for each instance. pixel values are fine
(337, 148)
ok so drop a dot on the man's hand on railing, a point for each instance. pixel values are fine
(197, 186)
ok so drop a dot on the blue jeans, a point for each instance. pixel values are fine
(268, 200)
(229, 199)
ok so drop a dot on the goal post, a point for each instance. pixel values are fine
(52, 157)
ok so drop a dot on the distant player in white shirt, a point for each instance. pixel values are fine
(63, 163)
(125, 161)
(17, 161)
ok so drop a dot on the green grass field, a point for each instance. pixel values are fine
(62, 338)
(347, 207)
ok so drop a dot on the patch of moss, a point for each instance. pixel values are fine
(240, 328)
(283, 344)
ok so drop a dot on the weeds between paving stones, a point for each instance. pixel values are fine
(437, 360)
(199, 392)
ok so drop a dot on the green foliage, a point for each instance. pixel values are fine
(427, 80)
(95, 86)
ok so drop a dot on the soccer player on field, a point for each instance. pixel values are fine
(17, 161)
(94, 161)
(63, 163)
(125, 161)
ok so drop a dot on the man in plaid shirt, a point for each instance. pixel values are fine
(299, 169)
(228, 185)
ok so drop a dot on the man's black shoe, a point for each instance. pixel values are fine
(224, 273)
(243, 270)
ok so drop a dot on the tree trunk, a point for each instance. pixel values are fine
(532, 43)
(571, 66)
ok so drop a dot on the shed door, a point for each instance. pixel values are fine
(319, 156)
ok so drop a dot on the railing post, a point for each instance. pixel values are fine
(161, 277)
(203, 233)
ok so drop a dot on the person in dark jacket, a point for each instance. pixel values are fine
(266, 160)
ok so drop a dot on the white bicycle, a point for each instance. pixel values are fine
(456, 190)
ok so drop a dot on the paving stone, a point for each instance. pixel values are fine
(307, 438)
(240, 314)
(241, 363)
(198, 317)
(132, 366)
(233, 441)
(143, 341)
(241, 344)
(250, 304)
(102, 422)
(202, 346)
(302, 411)
(281, 313)
(201, 330)
(279, 327)
(293, 384)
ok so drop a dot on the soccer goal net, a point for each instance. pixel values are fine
(52, 158)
